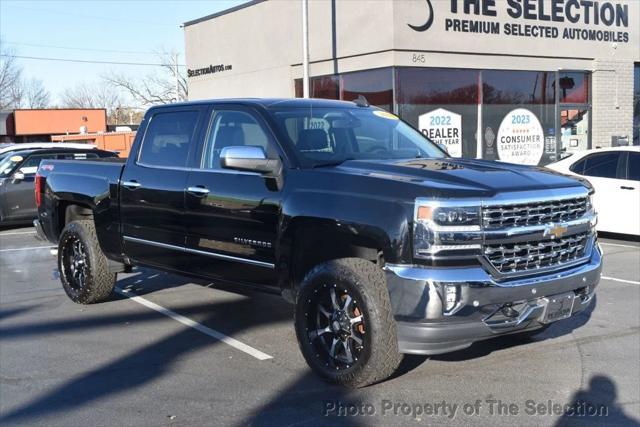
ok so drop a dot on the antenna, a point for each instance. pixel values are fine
(361, 101)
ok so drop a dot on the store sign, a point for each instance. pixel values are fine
(520, 138)
(530, 18)
(211, 69)
(443, 127)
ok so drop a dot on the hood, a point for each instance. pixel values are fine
(462, 176)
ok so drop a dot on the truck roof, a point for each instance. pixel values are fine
(268, 103)
(29, 151)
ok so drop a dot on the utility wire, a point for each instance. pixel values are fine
(89, 61)
(101, 18)
(79, 48)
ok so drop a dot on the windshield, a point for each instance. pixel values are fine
(8, 164)
(326, 136)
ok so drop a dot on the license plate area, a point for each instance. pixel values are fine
(557, 307)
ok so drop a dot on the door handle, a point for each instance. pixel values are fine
(131, 185)
(198, 190)
(624, 187)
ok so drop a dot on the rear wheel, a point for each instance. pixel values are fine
(84, 269)
(344, 324)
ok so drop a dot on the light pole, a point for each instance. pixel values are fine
(305, 48)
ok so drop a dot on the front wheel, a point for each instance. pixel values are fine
(84, 269)
(344, 324)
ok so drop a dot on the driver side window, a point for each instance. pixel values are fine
(230, 128)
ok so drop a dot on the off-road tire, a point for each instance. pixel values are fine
(99, 282)
(365, 281)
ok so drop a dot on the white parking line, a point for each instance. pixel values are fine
(197, 326)
(619, 245)
(27, 249)
(17, 232)
(620, 280)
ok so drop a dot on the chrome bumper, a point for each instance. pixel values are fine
(416, 295)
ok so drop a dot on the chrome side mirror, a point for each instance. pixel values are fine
(249, 159)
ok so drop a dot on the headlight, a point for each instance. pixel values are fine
(443, 227)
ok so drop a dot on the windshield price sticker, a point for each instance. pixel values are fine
(520, 138)
(385, 115)
(443, 127)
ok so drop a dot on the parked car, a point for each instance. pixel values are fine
(385, 244)
(615, 176)
(7, 149)
(17, 175)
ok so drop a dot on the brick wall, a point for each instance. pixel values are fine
(612, 101)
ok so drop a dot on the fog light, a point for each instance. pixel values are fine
(451, 298)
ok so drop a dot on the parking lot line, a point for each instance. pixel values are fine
(620, 280)
(195, 325)
(27, 249)
(619, 245)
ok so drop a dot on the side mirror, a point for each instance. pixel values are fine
(249, 159)
(18, 177)
(443, 148)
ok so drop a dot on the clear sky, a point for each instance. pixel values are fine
(95, 30)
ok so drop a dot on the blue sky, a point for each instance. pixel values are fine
(92, 30)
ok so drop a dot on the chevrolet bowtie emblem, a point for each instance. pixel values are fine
(556, 231)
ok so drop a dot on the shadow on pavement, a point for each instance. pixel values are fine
(596, 405)
(148, 363)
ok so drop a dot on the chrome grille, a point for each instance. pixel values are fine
(526, 256)
(533, 213)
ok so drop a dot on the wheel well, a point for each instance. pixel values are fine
(315, 245)
(68, 212)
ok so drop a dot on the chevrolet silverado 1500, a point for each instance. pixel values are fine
(384, 243)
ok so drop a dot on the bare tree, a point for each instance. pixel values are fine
(93, 96)
(10, 80)
(168, 84)
(34, 95)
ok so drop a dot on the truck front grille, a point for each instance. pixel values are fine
(525, 214)
(529, 256)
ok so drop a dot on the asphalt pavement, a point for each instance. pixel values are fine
(167, 350)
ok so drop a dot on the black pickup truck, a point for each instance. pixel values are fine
(384, 243)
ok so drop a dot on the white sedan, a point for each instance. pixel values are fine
(615, 175)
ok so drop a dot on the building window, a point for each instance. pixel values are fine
(573, 87)
(518, 116)
(443, 104)
(375, 85)
(636, 103)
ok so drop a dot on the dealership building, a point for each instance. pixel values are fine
(516, 80)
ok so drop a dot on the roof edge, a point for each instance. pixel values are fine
(223, 12)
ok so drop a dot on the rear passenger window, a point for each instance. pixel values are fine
(167, 139)
(603, 165)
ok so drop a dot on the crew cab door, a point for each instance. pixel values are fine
(232, 216)
(606, 172)
(152, 188)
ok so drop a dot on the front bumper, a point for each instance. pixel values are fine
(417, 300)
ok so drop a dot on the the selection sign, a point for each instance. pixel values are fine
(443, 127)
(520, 138)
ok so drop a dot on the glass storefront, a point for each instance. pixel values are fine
(636, 103)
(526, 117)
